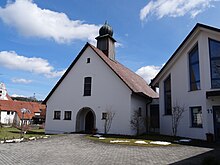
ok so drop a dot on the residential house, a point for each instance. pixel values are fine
(191, 80)
(93, 85)
(10, 110)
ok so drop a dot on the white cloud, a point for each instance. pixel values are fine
(148, 72)
(30, 20)
(21, 80)
(15, 95)
(174, 8)
(12, 60)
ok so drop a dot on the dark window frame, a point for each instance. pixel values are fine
(195, 124)
(212, 60)
(87, 86)
(167, 97)
(139, 112)
(67, 115)
(193, 67)
(104, 115)
(57, 115)
(8, 112)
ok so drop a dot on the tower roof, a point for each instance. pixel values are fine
(106, 29)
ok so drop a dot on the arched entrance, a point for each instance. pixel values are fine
(85, 120)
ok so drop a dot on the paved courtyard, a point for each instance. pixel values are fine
(75, 149)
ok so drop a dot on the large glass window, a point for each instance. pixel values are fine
(87, 86)
(194, 69)
(196, 116)
(214, 52)
(67, 115)
(167, 96)
(57, 115)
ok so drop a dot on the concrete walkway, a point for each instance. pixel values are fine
(75, 149)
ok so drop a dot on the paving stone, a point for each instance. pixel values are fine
(75, 149)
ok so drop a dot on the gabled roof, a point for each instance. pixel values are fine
(16, 106)
(197, 28)
(136, 83)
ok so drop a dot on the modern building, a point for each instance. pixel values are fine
(191, 80)
(94, 85)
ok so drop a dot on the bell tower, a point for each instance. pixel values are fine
(3, 92)
(105, 41)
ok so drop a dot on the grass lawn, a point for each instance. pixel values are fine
(11, 133)
(128, 140)
(152, 138)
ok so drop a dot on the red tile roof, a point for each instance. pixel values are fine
(16, 106)
(136, 83)
(9, 98)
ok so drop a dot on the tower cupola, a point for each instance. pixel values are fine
(106, 29)
(105, 41)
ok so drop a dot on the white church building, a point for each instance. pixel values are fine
(191, 79)
(94, 84)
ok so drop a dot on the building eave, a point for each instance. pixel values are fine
(65, 74)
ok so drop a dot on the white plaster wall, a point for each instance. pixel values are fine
(7, 119)
(181, 94)
(107, 91)
(136, 102)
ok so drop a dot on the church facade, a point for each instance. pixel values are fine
(94, 85)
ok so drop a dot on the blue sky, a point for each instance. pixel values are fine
(39, 39)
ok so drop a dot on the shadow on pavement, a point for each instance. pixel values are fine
(209, 158)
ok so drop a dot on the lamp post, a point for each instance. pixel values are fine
(23, 111)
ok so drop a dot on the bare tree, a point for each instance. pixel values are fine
(177, 115)
(137, 121)
(108, 117)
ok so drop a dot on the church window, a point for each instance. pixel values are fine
(67, 115)
(104, 115)
(88, 60)
(139, 112)
(57, 115)
(87, 86)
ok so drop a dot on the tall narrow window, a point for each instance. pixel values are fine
(196, 114)
(167, 96)
(87, 86)
(139, 112)
(194, 72)
(214, 52)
